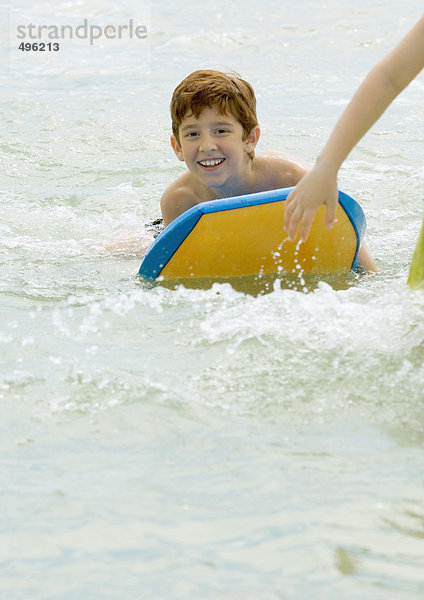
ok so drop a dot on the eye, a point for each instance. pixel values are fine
(221, 131)
(191, 134)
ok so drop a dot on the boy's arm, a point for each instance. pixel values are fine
(175, 200)
(381, 86)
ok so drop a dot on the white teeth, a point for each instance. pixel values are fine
(212, 162)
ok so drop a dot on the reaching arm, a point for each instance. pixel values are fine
(380, 87)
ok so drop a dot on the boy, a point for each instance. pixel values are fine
(215, 132)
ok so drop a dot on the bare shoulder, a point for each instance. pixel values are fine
(282, 157)
(282, 168)
(178, 197)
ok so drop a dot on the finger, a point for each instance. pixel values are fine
(305, 227)
(330, 215)
(290, 197)
(293, 225)
(289, 207)
(292, 210)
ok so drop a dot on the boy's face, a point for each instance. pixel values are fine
(213, 148)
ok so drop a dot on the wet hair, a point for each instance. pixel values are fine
(228, 92)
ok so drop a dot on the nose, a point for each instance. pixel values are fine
(207, 143)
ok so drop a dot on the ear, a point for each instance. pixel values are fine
(252, 139)
(177, 148)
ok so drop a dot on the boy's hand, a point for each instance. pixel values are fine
(318, 186)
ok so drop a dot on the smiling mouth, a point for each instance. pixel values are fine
(211, 163)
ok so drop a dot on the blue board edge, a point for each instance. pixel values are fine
(168, 242)
(171, 238)
(357, 218)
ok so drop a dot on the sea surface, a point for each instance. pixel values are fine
(222, 443)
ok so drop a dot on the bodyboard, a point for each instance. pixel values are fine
(244, 235)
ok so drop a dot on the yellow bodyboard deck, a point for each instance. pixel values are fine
(244, 235)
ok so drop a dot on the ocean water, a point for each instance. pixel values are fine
(167, 443)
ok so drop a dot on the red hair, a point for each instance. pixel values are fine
(228, 92)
